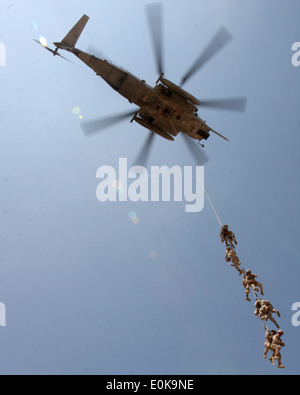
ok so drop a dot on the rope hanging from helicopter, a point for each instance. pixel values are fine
(192, 161)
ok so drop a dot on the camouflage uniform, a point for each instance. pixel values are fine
(276, 348)
(266, 312)
(249, 281)
(231, 256)
(268, 342)
(228, 236)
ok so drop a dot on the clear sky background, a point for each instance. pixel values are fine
(86, 290)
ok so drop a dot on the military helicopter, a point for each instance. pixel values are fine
(165, 109)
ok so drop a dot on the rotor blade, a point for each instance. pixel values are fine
(234, 104)
(141, 160)
(98, 124)
(51, 50)
(195, 149)
(64, 57)
(218, 42)
(48, 49)
(37, 41)
(154, 13)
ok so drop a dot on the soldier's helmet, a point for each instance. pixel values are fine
(248, 271)
(273, 331)
(280, 332)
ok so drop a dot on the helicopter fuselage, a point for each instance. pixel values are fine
(165, 110)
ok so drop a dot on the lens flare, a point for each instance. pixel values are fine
(134, 217)
(34, 25)
(118, 186)
(154, 254)
(76, 110)
(136, 221)
(132, 214)
(43, 42)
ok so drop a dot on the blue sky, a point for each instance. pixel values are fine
(83, 293)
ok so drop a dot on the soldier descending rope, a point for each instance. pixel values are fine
(264, 310)
(273, 343)
(276, 345)
(268, 343)
(230, 255)
(250, 281)
(228, 236)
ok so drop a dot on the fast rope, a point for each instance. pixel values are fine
(192, 161)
